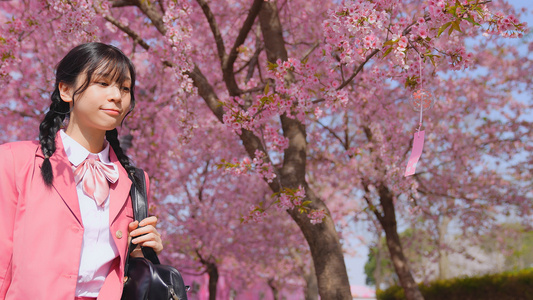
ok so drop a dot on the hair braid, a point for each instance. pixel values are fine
(112, 138)
(47, 135)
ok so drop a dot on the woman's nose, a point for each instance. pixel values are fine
(114, 93)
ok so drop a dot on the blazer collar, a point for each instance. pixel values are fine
(65, 185)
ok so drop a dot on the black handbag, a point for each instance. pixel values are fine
(147, 278)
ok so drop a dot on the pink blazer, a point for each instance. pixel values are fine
(41, 231)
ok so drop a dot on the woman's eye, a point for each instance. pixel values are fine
(126, 89)
(102, 83)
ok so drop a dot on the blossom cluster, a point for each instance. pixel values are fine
(245, 166)
(316, 216)
(507, 26)
(310, 85)
(289, 199)
(7, 44)
(177, 38)
(78, 20)
(255, 214)
(358, 29)
(353, 30)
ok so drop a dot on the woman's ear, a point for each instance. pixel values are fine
(65, 92)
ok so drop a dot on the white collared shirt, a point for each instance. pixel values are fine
(98, 248)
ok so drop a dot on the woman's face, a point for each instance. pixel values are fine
(102, 106)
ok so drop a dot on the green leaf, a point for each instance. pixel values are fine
(453, 10)
(387, 52)
(456, 26)
(471, 20)
(265, 100)
(267, 88)
(342, 13)
(432, 60)
(305, 203)
(390, 42)
(272, 66)
(443, 27)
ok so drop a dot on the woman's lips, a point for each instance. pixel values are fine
(112, 112)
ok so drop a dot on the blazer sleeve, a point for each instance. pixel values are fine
(8, 206)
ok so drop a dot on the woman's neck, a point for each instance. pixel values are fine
(94, 141)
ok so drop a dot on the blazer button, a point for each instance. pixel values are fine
(118, 234)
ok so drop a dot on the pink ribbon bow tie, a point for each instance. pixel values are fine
(95, 176)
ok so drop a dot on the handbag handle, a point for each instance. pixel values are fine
(140, 212)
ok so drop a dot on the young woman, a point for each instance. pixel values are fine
(65, 211)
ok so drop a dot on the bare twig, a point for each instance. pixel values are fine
(310, 50)
(335, 135)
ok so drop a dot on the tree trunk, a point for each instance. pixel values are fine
(311, 286)
(377, 271)
(326, 251)
(309, 275)
(444, 265)
(322, 238)
(388, 222)
(212, 271)
(275, 291)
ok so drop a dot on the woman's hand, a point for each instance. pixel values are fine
(145, 234)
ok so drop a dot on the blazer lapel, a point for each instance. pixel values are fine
(64, 178)
(118, 191)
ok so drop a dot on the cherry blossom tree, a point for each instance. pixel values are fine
(315, 92)
(200, 212)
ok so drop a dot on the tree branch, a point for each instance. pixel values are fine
(132, 34)
(121, 3)
(253, 62)
(371, 206)
(332, 132)
(203, 182)
(358, 69)
(308, 52)
(214, 29)
(151, 12)
(206, 91)
(227, 66)
(250, 141)
(294, 157)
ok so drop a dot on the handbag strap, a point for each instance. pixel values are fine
(140, 212)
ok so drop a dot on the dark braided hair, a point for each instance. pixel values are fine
(84, 59)
(112, 138)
